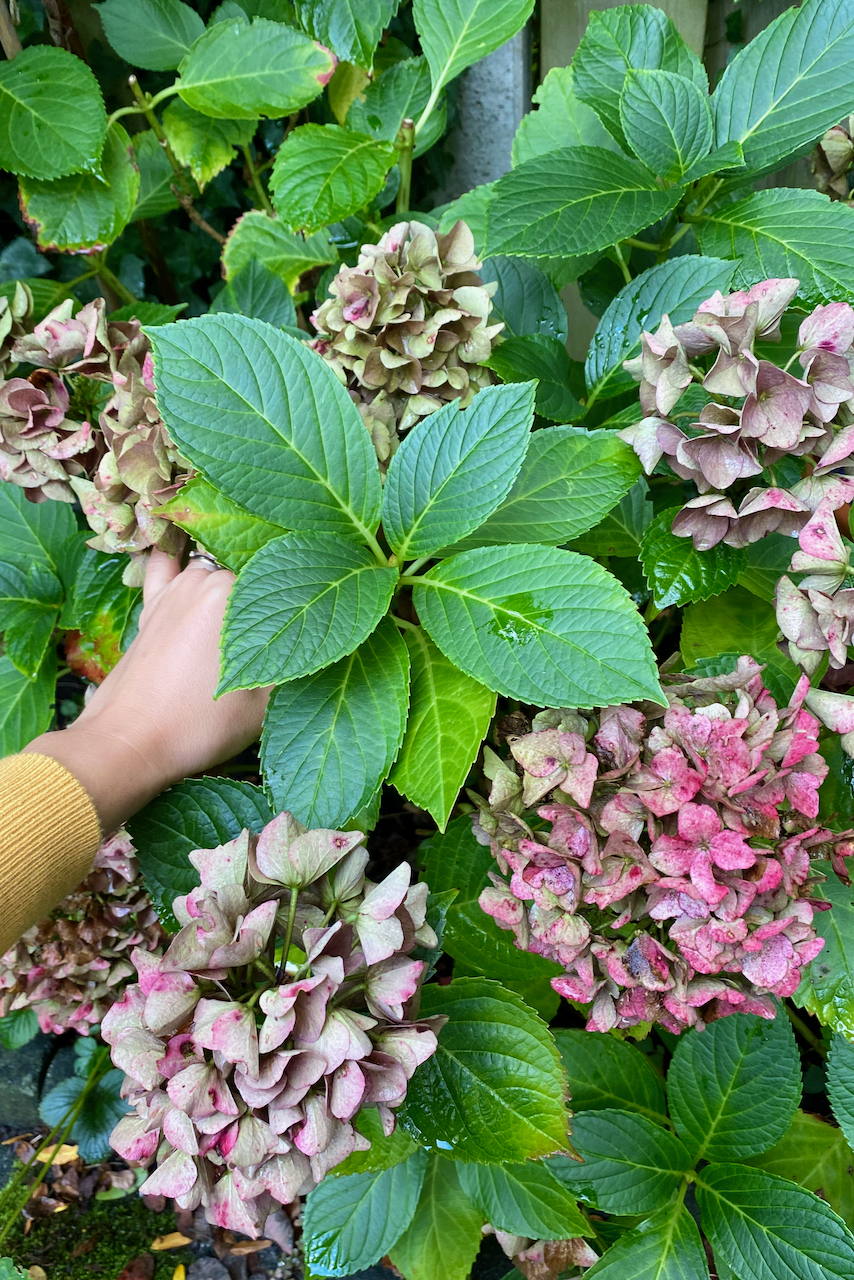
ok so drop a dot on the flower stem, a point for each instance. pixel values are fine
(113, 282)
(403, 624)
(289, 933)
(406, 142)
(263, 198)
(627, 275)
(814, 1041)
(146, 106)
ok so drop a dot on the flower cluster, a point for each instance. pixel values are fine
(85, 424)
(755, 414)
(246, 1076)
(832, 160)
(670, 870)
(72, 966)
(407, 328)
(817, 615)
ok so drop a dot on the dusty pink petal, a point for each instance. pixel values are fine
(348, 1090)
(668, 782)
(819, 539)
(379, 938)
(706, 520)
(295, 860)
(171, 999)
(775, 413)
(839, 449)
(235, 1036)
(137, 1053)
(134, 1140)
(834, 710)
(410, 1046)
(343, 1037)
(703, 879)
(125, 1014)
(255, 1140)
(730, 852)
(802, 793)
(384, 898)
(643, 438)
(285, 1176)
(504, 907)
(698, 823)
(225, 865)
(200, 1091)
(178, 1130)
(174, 1177)
(391, 983)
(830, 327)
(226, 1209)
(181, 1052)
(314, 1134)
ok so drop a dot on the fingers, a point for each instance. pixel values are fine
(161, 570)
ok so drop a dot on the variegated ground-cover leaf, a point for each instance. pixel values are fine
(52, 117)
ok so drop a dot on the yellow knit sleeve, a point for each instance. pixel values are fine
(48, 836)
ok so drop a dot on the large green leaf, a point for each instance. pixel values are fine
(26, 706)
(330, 738)
(735, 623)
(524, 1199)
(677, 574)
(780, 93)
(539, 356)
(454, 468)
(258, 292)
(765, 1228)
(605, 1073)
(539, 624)
(325, 172)
(33, 533)
(384, 1151)
(767, 561)
(52, 117)
(493, 1091)
(456, 33)
(442, 1241)
(100, 606)
(156, 178)
(289, 446)
(471, 207)
(155, 34)
(620, 533)
(573, 201)
(448, 719)
(569, 479)
(525, 300)
(240, 71)
(631, 37)
(666, 121)
(255, 236)
(202, 143)
(816, 1155)
(666, 1246)
(562, 120)
(29, 605)
(786, 233)
(83, 212)
(302, 602)
(630, 1164)
(400, 92)
(840, 1083)
(350, 28)
(827, 987)
(676, 287)
(200, 813)
(734, 1091)
(229, 533)
(351, 1222)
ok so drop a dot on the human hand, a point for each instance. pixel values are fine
(154, 721)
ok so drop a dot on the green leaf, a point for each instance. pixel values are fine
(569, 479)
(562, 120)
(545, 359)
(525, 300)
(331, 738)
(840, 1083)
(456, 33)
(101, 1111)
(29, 605)
(666, 1246)
(82, 211)
(26, 706)
(148, 312)
(156, 176)
(793, 81)
(571, 202)
(524, 1199)
(47, 294)
(620, 533)
(350, 1223)
(285, 254)
(238, 71)
(493, 1091)
(540, 624)
(676, 287)
(814, 1154)
(827, 987)
(734, 1091)
(735, 623)
(605, 1072)
(729, 156)
(200, 813)
(384, 1151)
(258, 292)
(454, 468)
(52, 117)
(33, 533)
(292, 442)
(401, 91)
(229, 533)
(471, 207)
(18, 1028)
(205, 145)
(765, 1228)
(448, 719)
(100, 606)
(666, 121)
(8, 1270)
(786, 233)
(302, 602)
(323, 173)
(443, 1239)
(155, 34)
(629, 38)
(677, 574)
(630, 1165)
(767, 561)
(350, 28)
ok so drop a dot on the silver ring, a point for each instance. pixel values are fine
(208, 561)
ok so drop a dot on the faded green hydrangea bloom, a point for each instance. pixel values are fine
(407, 328)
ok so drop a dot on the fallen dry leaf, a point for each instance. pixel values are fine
(173, 1240)
(37, 1273)
(140, 1268)
(57, 1155)
(245, 1247)
(7, 1142)
(180, 1272)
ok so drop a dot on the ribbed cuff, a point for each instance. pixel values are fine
(49, 833)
